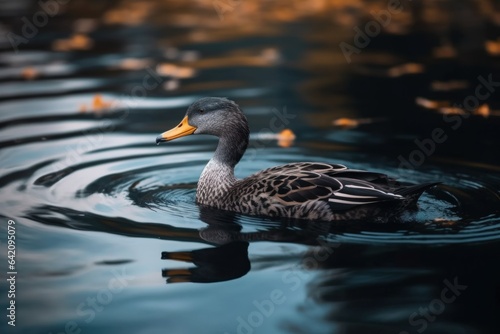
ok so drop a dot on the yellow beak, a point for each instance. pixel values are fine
(181, 130)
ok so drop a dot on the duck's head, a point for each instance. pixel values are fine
(210, 115)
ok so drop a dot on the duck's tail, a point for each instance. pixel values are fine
(412, 193)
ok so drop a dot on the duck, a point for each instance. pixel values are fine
(300, 190)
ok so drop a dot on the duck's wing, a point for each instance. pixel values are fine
(303, 186)
(338, 170)
(356, 192)
(333, 170)
(298, 167)
(340, 192)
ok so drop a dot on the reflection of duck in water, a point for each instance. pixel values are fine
(228, 260)
(306, 190)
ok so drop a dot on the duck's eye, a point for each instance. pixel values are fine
(201, 111)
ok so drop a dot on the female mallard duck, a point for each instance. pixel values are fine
(303, 190)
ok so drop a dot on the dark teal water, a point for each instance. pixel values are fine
(108, 236)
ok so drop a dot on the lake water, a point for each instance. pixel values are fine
(108, 235)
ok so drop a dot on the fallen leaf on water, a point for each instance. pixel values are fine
(75, 42)
(345, 122)
(175, 71)
(444, 107)
(483, 110)
(449, 85)
(133, 14)
(133, 63)
(98, 105)
(348, 123)
(409, 68)
(185, 72)
(286, 138)
(430, 104)
(451, 111)
(81, 42)
(493, 47)
(29, 73)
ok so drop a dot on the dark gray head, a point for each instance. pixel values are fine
(215, 116)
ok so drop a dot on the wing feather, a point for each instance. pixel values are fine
(299, 183)
(359, 192)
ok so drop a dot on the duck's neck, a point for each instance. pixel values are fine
(218, 175)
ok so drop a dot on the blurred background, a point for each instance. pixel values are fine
(407, 88)
(394, 67)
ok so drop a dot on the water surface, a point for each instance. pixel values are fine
(109, 237)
